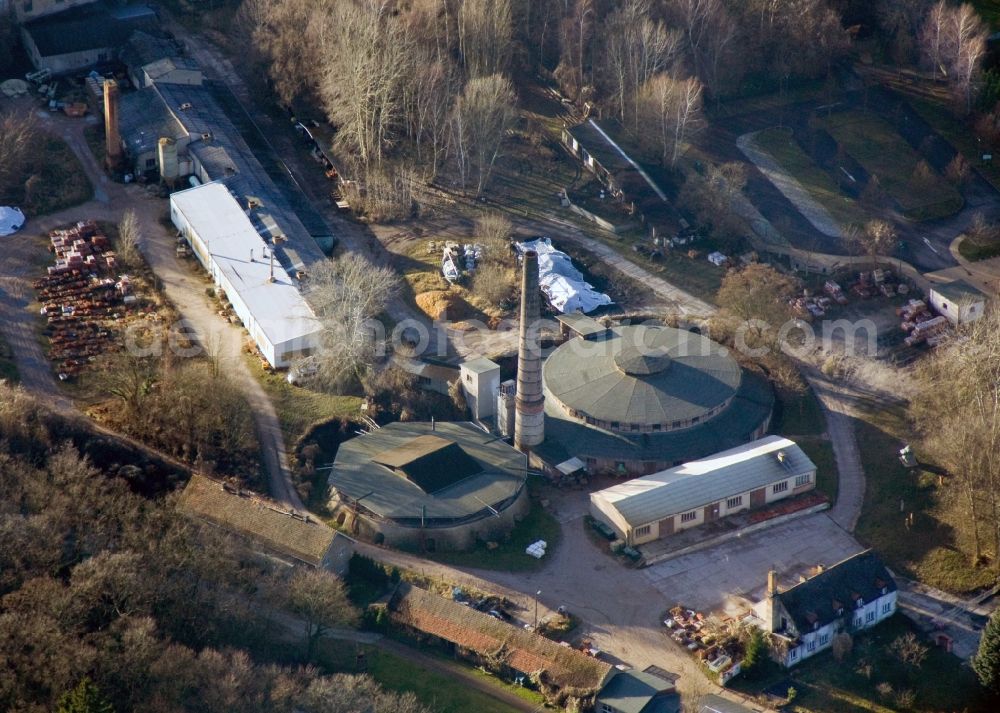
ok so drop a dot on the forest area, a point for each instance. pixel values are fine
(424, 90)
(112, 601)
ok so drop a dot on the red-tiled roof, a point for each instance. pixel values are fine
(525, 651)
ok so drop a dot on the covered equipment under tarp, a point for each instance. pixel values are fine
(564, 286)
(11, 220)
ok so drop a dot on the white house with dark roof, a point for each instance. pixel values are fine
(853, 595)
(658, 505)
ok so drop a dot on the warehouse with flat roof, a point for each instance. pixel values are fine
(435, 485)
(249, 270)
(748, 476)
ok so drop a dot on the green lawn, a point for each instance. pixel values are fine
(798, 415)
(298, 408)
(935, 549)
(510, 555)
(824, 684)
(957, 133)
(882, 152)
(972, 251)
(442, 693)
(821, 186)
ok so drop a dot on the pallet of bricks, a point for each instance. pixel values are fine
(81, 296)
(921, 325)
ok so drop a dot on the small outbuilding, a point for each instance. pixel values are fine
(717, 704)
(278, 531)
(749, 476)
(958, 301)
(637, 692)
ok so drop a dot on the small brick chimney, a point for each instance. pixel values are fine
(112, 137)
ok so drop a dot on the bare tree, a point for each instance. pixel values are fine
(129, 237)
(757, 295)
(953, 44)
(485, 29)
(346, 295)
(673, 107)
(483, 115)
(636, 48)
(17, 134)
(434, 86)
(320, 601)
(289, 35)
(877, 238)
(960, 395)
(366, 63)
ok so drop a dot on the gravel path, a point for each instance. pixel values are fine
(24, 255)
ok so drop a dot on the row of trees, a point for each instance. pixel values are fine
(429, 81)
(960, 408)
(423, 83)
(158, 612)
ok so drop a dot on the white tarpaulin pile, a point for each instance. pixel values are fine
(562, 283)
(11, 220)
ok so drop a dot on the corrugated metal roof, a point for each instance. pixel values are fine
(642, 375)
(278, 307)
(356, 474)
(752, 405)
(692, 485)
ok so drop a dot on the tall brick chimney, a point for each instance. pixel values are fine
(112, 139)
(529, 416)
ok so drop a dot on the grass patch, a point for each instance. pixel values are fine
(935, 549)
(8, 369)
(973, 251)
(798, 414)
(442, 693)
(851, 686)
(818, 183)
(956, 132)
(696, 276)
(56, 179)
(509, 556)
(299, 408)
(883, 153)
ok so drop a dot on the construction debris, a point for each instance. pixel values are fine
(84, 300)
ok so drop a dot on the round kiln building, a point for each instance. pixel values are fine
(636, 399)
(435, 486)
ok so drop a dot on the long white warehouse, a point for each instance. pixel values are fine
(264, 296)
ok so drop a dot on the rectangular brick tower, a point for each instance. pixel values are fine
(112, 138)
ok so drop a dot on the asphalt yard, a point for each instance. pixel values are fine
(729, 577)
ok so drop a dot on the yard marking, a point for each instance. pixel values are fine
(656, 188)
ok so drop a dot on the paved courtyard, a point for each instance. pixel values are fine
(730, 576)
